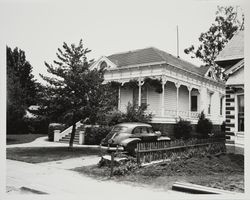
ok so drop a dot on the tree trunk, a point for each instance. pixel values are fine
(73, 132)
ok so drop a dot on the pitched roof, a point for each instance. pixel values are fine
(153, 55)
(235, 67)
(234, 49)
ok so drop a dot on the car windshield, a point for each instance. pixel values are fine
(120, 129)
(150, 130)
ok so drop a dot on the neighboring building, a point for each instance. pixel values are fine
(30, 112)
(171, 87)
(231, 58)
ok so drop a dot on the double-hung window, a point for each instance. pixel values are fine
(143, 96)
(240, 114)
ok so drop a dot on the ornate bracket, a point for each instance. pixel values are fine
(177, 84)
(164, 80)
(140, 82)
(189, 87)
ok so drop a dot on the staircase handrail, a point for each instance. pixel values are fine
(68, 130)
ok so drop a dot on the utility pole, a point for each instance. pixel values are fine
(177, 43)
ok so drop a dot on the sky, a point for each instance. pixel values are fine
(106, 27)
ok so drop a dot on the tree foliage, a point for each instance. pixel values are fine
(137, 113)
(74, 92)
(134, 113)
(227, 22)
(21, 89)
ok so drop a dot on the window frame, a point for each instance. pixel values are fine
(144, 95)
(237, 113)
(196, 103)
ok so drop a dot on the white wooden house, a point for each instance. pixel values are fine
(186, 89)
(231, 58)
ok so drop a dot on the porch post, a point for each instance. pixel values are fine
(177, 85)
(163, 82)
(140, 83)
(189, 100)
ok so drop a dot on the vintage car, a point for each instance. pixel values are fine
(125, 136)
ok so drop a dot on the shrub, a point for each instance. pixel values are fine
(137, 113)
(114, 117)
(94, 135)
(38, 125)
(182, 129)
(121, 167)
(134, 114)
(204, 126)
(52, 127)
(126, 168)
(17, 127)
(223, 127)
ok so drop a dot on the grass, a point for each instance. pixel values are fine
(223, 172)
(22, 138)
(46, 154)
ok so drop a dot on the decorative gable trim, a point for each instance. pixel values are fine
(97, 64)
(210, 74)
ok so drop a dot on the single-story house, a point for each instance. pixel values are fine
(170, 86)
(231, 58)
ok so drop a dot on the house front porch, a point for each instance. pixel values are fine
(174, 100)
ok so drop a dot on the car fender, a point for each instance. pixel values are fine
(129, 140)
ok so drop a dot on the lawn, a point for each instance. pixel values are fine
(22, 138)
(46, 154)
(224, 172)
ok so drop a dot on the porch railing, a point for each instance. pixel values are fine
(170, 113)
(194, 114)
(181, 113)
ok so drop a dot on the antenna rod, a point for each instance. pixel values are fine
(177, 42)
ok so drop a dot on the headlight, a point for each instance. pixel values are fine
(110, 141)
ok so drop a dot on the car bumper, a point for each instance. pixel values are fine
(112, 148)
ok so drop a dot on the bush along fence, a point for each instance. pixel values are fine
(148, 152)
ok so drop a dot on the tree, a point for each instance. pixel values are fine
(182, 129)
(21, 89)
(74, 92)
(227, 22)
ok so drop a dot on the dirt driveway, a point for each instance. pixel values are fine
(66, 182)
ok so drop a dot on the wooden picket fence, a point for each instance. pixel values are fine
(147, 152)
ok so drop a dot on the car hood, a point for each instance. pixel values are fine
(108, 137)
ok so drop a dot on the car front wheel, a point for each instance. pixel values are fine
(131, 148)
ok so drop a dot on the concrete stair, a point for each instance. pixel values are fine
(66, 138)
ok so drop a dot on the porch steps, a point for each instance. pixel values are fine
(66, 138)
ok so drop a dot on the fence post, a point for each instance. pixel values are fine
(137, 154)
(100, 150)
(112, 164)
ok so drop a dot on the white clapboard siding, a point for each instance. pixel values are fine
(170, 96)
(126, 96)
(215, 104)
(183, 98)
(154, 101)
